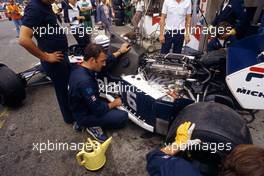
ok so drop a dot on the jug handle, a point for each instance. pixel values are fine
(79, 156)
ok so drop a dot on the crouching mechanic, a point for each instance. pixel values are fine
(245, 159)
(162, 162)
(88, 109)
(167, 161)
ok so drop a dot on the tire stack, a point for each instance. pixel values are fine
(119, 9)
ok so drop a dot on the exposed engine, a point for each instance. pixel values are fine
(175, 65)
(168, 72)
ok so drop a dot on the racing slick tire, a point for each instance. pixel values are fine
(216, 124)
(12, 88)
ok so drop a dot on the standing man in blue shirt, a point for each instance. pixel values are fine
(40, 21)
(234, 13)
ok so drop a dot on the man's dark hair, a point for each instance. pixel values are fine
(244, 160)
(92, 50)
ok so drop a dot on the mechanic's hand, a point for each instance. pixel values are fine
(114, 104)
(183, 136)
(117, 102)
(187, 39)
(125, 47)
(182, 139)
(173, 94)
(54, 57)
(162, 39)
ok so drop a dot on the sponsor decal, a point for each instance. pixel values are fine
(250, 92)
(258, 73)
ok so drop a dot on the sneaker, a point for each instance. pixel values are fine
(97, 133)
(77, 127)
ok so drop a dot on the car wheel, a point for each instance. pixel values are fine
(12, 88)
(222, 99)
(215, 124)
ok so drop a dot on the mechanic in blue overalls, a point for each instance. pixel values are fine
(222, 39)
(41, 22)
(165, 162)
(233, 12)
(88, 109)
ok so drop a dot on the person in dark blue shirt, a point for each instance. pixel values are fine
(87, 107)
(164, 161)
(245, 159)
(234, 13)
(162, 164)
(40, 21)
(222, 39)
(167, 161)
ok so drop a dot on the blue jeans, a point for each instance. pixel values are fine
(59, 74)
(18, 24)
(113, 119)
(176, 38)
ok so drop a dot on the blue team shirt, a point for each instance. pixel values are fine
(84, 92)
(160, 164)
(235, 14)
(40, 17)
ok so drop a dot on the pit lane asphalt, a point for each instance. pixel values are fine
(39, 121)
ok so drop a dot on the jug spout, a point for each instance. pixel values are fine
(106, 144)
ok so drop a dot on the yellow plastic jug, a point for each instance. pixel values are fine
(92, 156)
